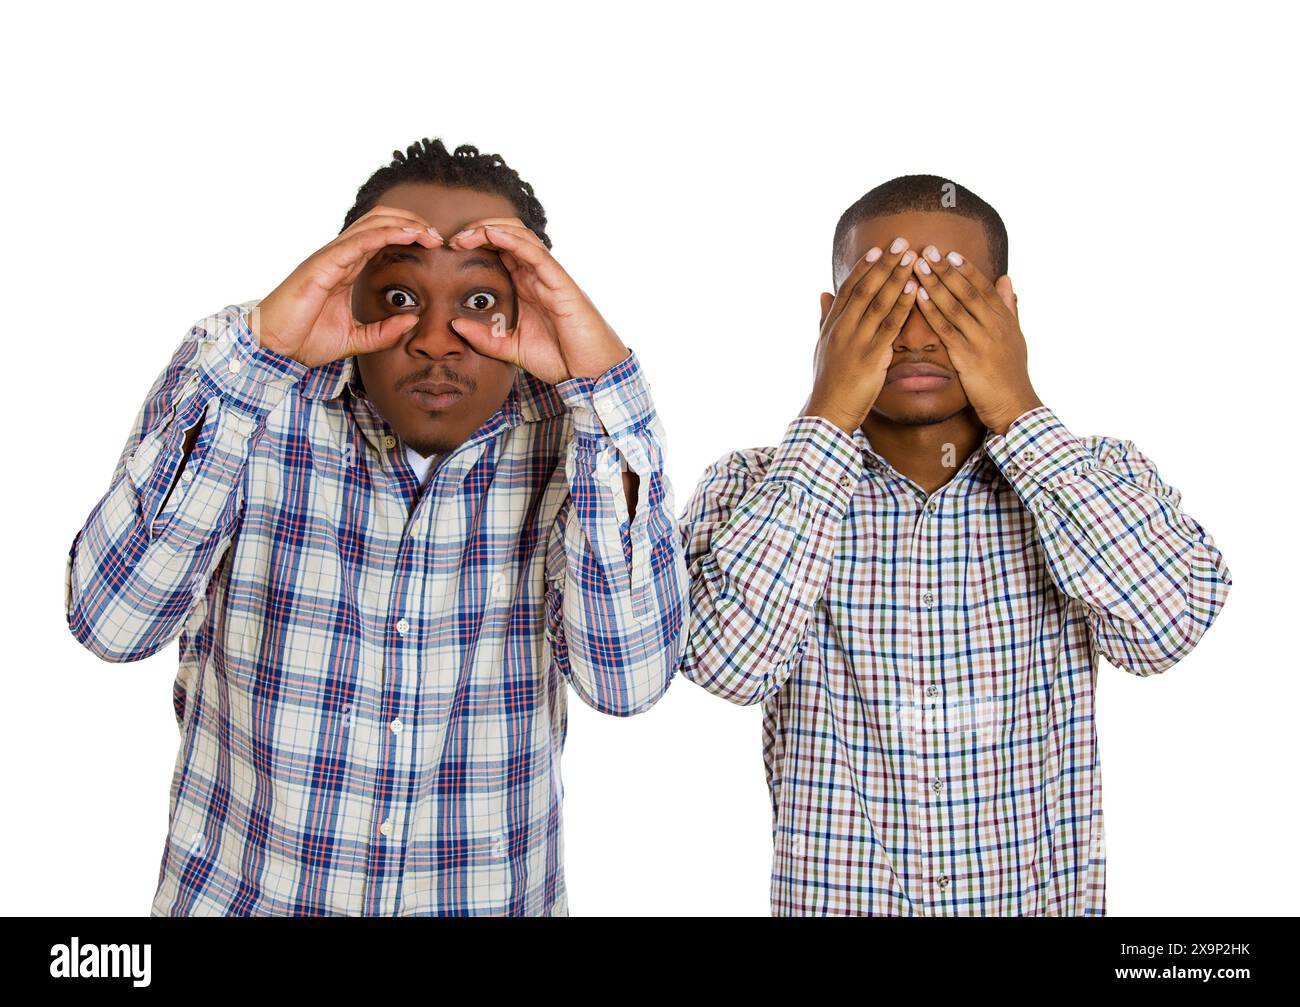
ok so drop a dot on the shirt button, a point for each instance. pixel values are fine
(932, 506)
(1028, 454)
(927, 599)
(943, 882)
(186, 476)
(796, 845)
(387, 827)
(936, 786)
(402, 626)
(932, 690)
(1012, 469)
(396, 725)
(233, 366)
(846, 481)
(390, 441)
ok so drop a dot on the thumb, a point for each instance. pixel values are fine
(1003, 287)
(381, 335)
(483, 339)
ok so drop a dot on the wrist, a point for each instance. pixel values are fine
(1001, 421)
(599, 365)
(841, 419)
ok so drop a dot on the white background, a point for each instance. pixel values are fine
(693, 159)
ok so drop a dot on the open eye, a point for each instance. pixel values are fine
(480, 300)
(398, 297)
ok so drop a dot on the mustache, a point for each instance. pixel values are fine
(438, 375)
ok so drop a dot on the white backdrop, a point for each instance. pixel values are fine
(693, 159)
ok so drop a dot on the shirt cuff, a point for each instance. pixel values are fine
(1038, 453)
(237, 365)
(616, 401)
(820, 458)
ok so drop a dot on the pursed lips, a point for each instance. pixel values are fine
(436, 394)
(900, 371)
(437, 388)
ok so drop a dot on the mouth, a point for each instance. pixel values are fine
(436, 395)
(917, 377)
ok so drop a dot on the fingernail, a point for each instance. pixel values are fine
(932, 253)
(955, 259)
(906, 260)
(909, 286)
(898, 245)
(461, 235)
(411, 230)
(923, 294)
(434, 232)
(923, 266)
(873, 255)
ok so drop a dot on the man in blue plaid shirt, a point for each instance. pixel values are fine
(390, 510)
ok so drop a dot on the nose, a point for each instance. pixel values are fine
(916, 336)
(433, 335)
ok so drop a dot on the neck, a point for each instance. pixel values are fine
(928, 454)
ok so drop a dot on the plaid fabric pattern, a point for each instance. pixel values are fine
(371, 695)
(927, 662)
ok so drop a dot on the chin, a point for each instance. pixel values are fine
(918, 413)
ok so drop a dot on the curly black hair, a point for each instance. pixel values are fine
(465, 167)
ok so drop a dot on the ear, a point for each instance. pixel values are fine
(827, 301)
(1003, 286)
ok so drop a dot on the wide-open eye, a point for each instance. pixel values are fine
(398, 297)
(480, 300)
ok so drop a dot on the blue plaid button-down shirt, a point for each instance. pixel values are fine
(371, 694)
(927, 661)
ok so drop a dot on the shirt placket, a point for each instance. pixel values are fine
(389, 734)
(932, 883)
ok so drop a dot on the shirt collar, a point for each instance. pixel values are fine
(980, 463)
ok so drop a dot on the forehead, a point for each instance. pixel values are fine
(447, 208)
(946, 231)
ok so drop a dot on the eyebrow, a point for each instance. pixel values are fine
(392, 255)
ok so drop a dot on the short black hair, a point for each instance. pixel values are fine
(922, 194)
(466, 168)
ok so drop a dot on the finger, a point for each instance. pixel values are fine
(874, 311)
(892, 324)
(536, 256)
(478, 236)
(371, 336)
(1009, 298)
(935, 293)
(857, 299)
(479, 222)
(492, 220)
(346, 257)
(951, 337)
(965, 282)
(342, 261)
(394, 220)
(483, 339)
(476, 227)
(395, 212)
(860, 269)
